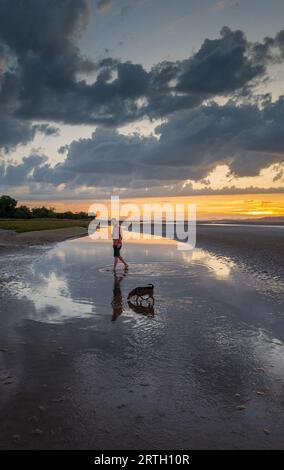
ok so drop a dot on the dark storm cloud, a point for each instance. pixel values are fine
(125, 92)
(15, 131)
(279, 175)
(14, 175)
(42, 78)
(223, 66)
(47, 129)
(37, 37)
(2, 60)
(41, 26)
(245, 137)
(46, 81)
(270, 50)
(190, 145)
(220, 66)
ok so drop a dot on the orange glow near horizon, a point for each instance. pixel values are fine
(233, 206)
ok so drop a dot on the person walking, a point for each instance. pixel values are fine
(117, 244)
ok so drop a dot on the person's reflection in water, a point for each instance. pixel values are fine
(117, 304)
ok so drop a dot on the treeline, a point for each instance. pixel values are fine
(9, 209)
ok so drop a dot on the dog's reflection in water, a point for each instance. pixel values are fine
(147, 310)
(140, 300)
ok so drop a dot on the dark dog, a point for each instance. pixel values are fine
(142, 292)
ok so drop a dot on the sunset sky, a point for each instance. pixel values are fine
(215, 206)
(143, 99)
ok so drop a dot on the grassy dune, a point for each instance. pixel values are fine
(30, 225)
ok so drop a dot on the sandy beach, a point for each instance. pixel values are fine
(82, 368)
(9, 238)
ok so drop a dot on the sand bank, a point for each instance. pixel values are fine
(9, 238)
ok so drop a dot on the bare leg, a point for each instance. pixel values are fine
(115, 263)
(124, 262)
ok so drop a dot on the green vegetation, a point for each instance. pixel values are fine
(24, 219)
(10, 209)
(30, 225)
(7, 206)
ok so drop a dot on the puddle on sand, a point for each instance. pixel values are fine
(159, 269)
(74, 280)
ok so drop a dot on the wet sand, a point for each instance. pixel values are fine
(9, 238)
(81, 368)
(258, 248)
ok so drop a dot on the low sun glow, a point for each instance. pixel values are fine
(231, 206)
